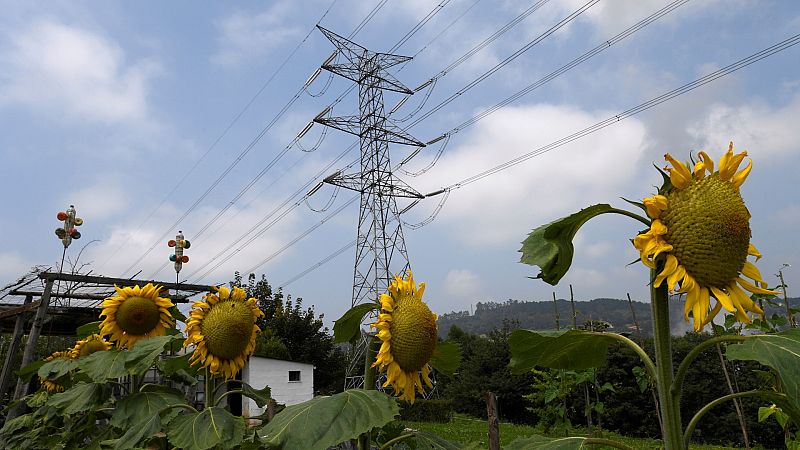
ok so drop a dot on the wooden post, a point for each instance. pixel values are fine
(555, 306)
(633, 313)
(494, 423)
(574, 313)
(789, 314)
(13, 348)
(270, 409)
(30, 346)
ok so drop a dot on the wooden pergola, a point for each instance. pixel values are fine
(65, 318)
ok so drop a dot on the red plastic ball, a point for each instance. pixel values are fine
(171, 243)
(61, 216)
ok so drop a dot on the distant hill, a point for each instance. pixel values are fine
(541, 315)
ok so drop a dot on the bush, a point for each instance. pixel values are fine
(440, 411)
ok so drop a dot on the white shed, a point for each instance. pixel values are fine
(290, 382)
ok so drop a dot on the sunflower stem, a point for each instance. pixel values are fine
(677, 384)
(773, 396)
(389, 444)
(670, 408)
(226, 393)
(369, 385)
(209, 393)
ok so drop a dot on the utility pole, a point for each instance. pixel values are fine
(789, 315)
(380, 246)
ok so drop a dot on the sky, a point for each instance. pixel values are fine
(154, 117)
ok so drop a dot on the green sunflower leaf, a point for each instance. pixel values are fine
(568, 350)
(545, 443)
(88, 329)
(446, 357)
(260, 396)
(145, 353)
(780, 351)
(105, 365)
(138, 414)
(550, 246)
(325, 421)
(57, 368)
(171, 365)
(203, 430)
(430, 441)
(349, 325)
(30, 370)
(79, 398)
(177, 314)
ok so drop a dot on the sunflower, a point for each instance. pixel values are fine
(407, 330)
(91, 344)
(53, 385)
(223, 328)
(134, 314)
(702, 226)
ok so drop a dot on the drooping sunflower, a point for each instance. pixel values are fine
(135, 313)
(702, 225)
(407, 329)
(91, 344)
(223, 329)
(53, 385)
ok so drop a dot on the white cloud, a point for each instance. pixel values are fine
(502, 207)
(125, 244)
(756, 127)
(461, 282)
(61, 70)
(244, 36)
(100, 201)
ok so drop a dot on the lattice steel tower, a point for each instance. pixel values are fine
(380, 247)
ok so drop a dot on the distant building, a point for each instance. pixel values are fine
(290, 382)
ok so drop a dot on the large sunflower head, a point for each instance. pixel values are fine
(223, 329)
(407, 330)
(54, 385)
(135, 313)
(701, 224)
(91, 344)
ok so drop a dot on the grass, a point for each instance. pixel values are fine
(465, 429)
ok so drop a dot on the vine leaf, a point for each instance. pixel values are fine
(349, 325)
(446, 357)
(105, 365)
(780, 351)
(550, 246)
(203, 430)
(326, 421)
(568, 350)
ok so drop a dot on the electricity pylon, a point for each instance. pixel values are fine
(380, 246)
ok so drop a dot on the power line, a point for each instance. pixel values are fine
(742, 63)
(470, 53)
(415, 29)
(769, 51)
(247, 149)
(223, 134)
(506, 61)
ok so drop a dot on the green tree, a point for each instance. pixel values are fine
(484, 367)
(295, 333)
